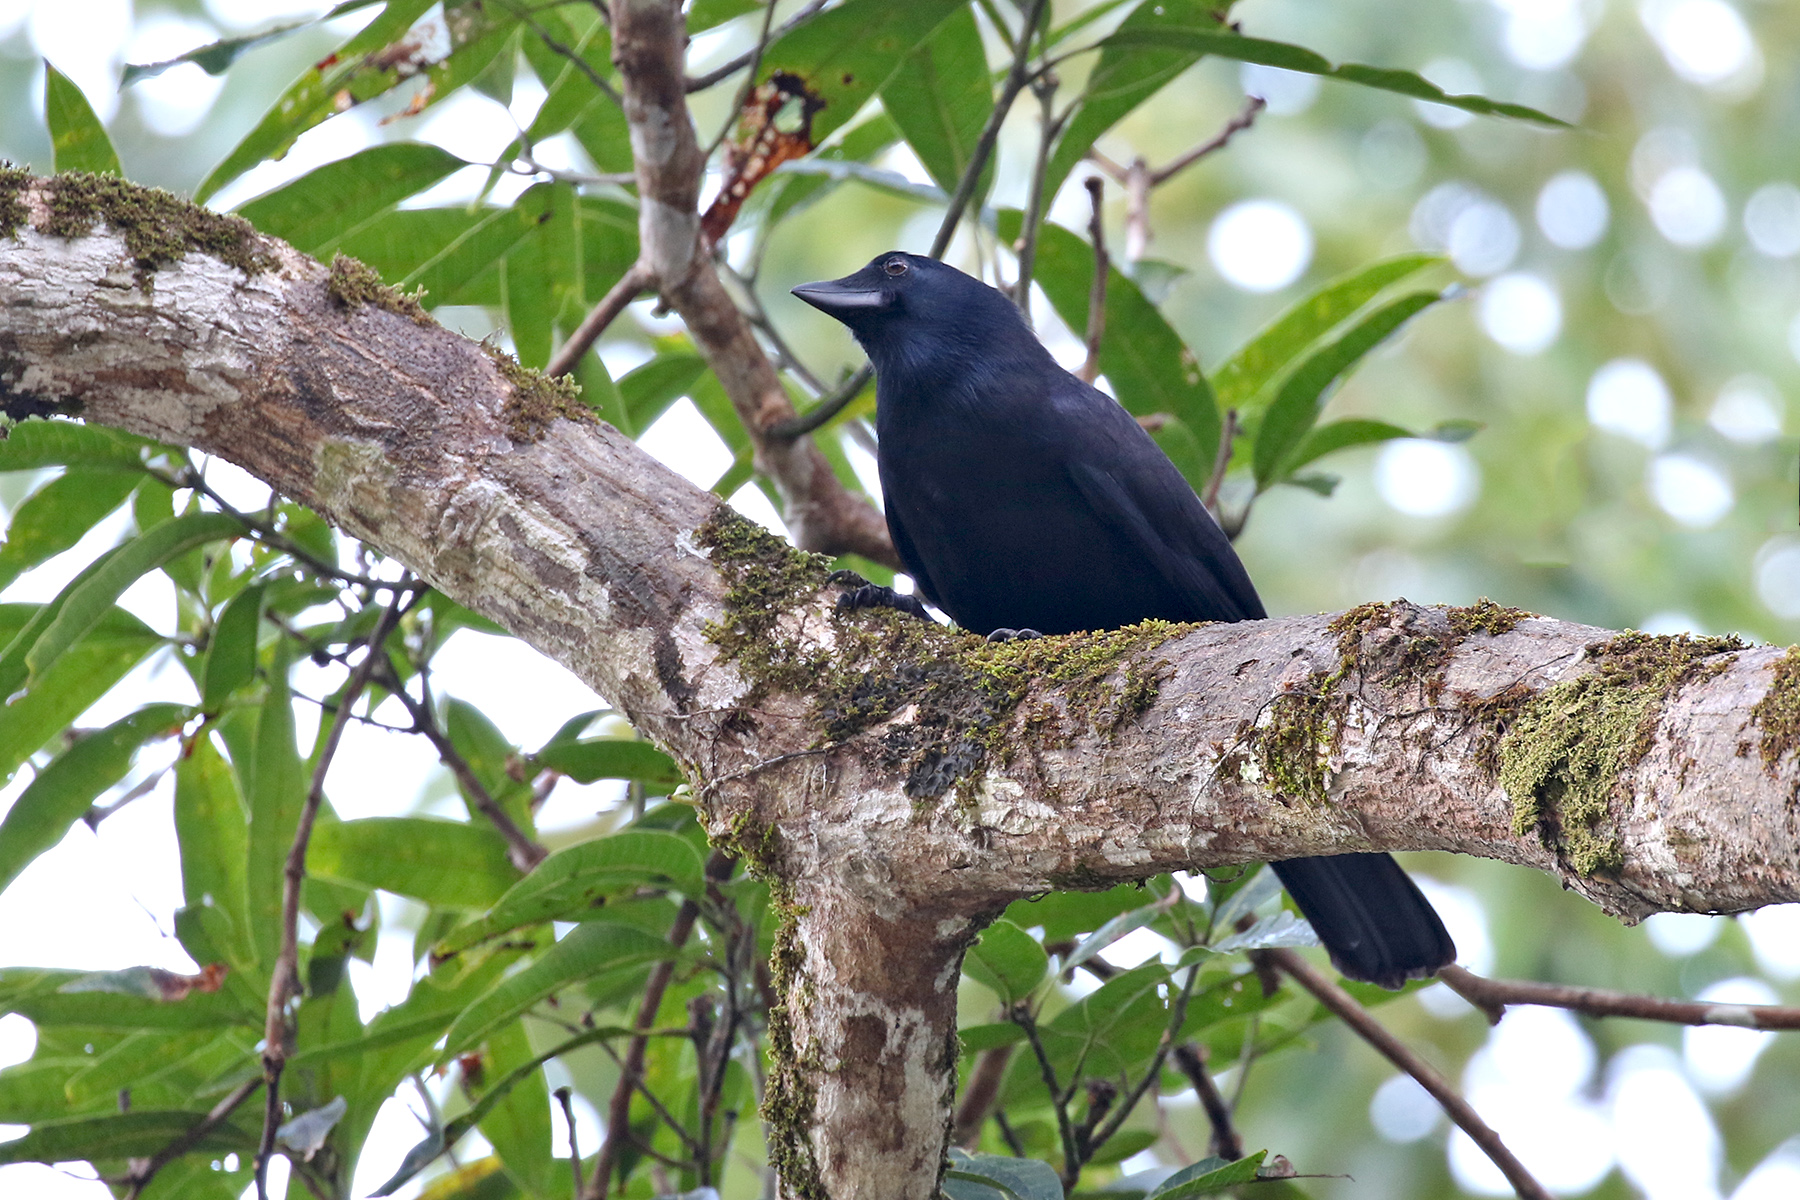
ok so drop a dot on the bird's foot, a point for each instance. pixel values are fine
(1013, 635)
(875, 595)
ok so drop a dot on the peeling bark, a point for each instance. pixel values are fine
(899, 782)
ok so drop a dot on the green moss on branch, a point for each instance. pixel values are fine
(537, 400)
(158, 228)
(1778, 712)
(354, 284)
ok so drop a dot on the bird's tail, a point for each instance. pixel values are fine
(1375, 923)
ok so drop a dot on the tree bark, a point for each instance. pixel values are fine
(899, 783)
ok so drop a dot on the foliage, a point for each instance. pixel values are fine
(517, 971)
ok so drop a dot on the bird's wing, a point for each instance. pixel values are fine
(1150, 503)
(909, 558)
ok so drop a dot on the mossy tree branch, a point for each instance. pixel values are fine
(898, 781)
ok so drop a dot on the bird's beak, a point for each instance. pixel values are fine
(841, 297)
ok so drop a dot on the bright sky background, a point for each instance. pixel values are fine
(105, 899)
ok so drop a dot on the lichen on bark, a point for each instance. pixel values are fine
(1564, 759)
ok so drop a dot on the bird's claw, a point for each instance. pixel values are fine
(875, 595)
(1013, 635)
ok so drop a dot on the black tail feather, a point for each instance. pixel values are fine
(1375, 923)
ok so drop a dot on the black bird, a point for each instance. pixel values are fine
(1022, 500)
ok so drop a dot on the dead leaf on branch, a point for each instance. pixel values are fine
(774, 127)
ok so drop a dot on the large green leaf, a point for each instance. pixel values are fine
(54, 443)
(120, 1135)
(318, 211)
(213, 833)
(231, 651)
(517, 1124)
(788, 192)
(134, 1061)
(589, 949)
(215, 58)
(37, 993)
(1150, 368)
(315, 95)
(447, 864)
(1338, 435)
(67, 787)
(942, 97)
(91, 595)
(1211, 39)
(649, 388)
(569, 91)
(611, 758)
(57, 515)
(985, 1176)
(81, 676)
(1276, 347)
(1009, 961)
(274, 783)
(1209, 1177)
(1298, 403)
(847, 53)
(78, 141)
(576, 881)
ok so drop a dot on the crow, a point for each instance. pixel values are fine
(1023, 501)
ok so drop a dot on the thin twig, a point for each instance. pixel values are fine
(656, 1104)
(618, 1114)
(825, 409)
(97, 813)
(749, 84)
(284, 980)
(1245, 119)
(556, 47)
(1021, 1016)
(274, 537)
(1025, 248)
(1138, 178)
(1492, 996)
(1221, 460)
(146, 1170)
(630, 286)
(702, 82)
(564, 1096)
(1096, 323)
(990, 133)
(1345, 1007)
(1191, 1058)
(1177, 1015)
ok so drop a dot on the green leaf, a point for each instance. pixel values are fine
(517, 1123)
(134, 1061)
(1209, 1177)
(1149, 367)
(480, 742)
(231, 652)
(789, 192)
(57, 515)
(77, 679)
(1125, 77)
(976, 1038)
(1278, 345)
(573, 882)
(314, 96)
(1225, 44)
(1297, 404)
(120, 1135)
(649, 388)
(704, 14)
(36, 993)
(53, 443)
(1337, 435)
(589, 949)
(1111, 1030)
(1007, 960)
(942, 97)
(319, 210)
(1112, 931)
(847, 53)
(569, 91)
(78, 141)
(1066, 914)
(1023, 1178)
(446, 864)
(1278, 929)
(215, 58)
(1123, 1144)
(67, 787)
(213, 833)
(91, 595)
(274, 782)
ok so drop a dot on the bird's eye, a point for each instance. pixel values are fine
(895, 266)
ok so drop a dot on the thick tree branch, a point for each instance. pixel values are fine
(894, 828)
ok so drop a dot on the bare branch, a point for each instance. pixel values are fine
(1096, 322)
(1221, 461)
(284, 979)
(1493, 996)
(1139, 179)
(1025, 246)
(1191, 1058)
(630, 286)
(700, 83)
(827, 408)
(145, 1170)
(1245, 119)
(1344, 1006)
(564, 1100)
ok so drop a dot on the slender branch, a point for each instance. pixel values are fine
(1221, 460)
(618, 1113)
(749, 84)
(656, 1104)
(555, 47)
(564, 1098)
(699, 83)
(990, 133)
(524, 852)
(1021, 1016)
(1492, 996)
(630, 286)
(979, 1094)
(268, 533)
(145, 1170)
(1177, 1015)
(97, 813)
(1191, 1058)
(1344, 1006)
(1245, 119)
(1096, 325)
(825, 409)
(284, 980)
(1025, 248)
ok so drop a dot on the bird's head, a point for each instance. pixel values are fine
(917, 315)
